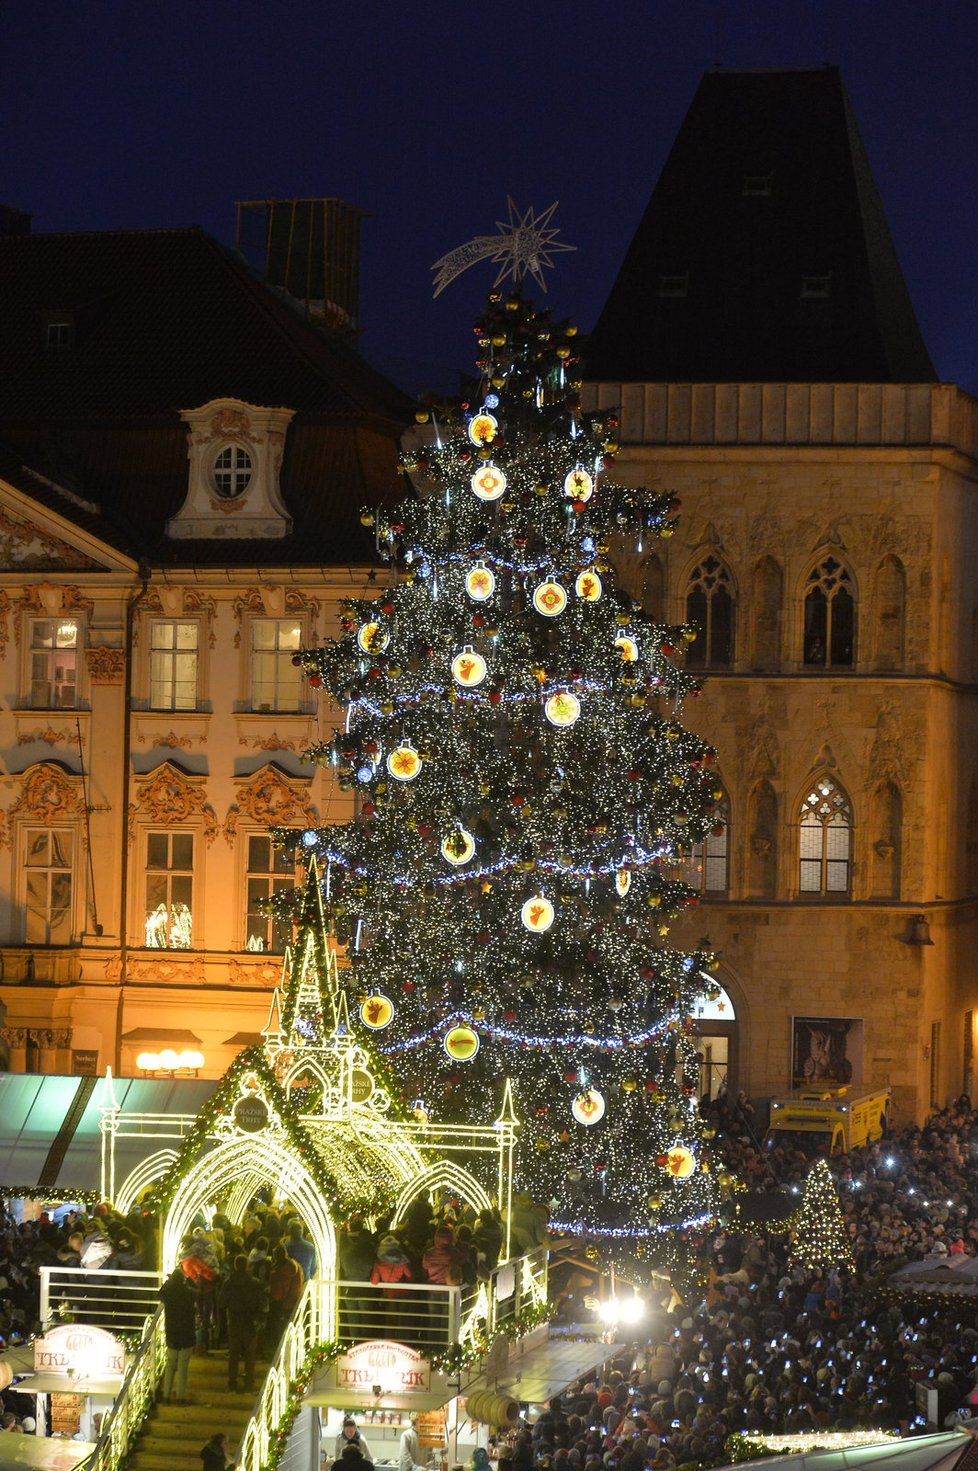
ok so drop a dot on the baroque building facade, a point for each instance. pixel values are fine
(183, 458)
(826, 550)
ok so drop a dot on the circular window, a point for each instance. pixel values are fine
(232, 472)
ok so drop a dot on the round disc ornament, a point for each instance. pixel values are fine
(488, 483)
(377, 1011)
(483, 428)
(469, 668)
(623, 881)
(480, 583)
(680, 1163)
(562, 709)
(537, 914)
(461, 1043)
(372, 638)
(550, 599)
(588, 1107)
(589, 586)
(579, 484)
(627, 647)
(458, 847)
(404, 763)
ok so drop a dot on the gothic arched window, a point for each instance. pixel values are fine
(707, 868)
(825, 842)
(710, 604)
(830, 616)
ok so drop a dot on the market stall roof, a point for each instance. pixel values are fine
(542, 1372)
(952, 1450)
(49, 1126)
(40, 1451)
(955, 1276)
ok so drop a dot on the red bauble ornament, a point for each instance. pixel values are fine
(387, 608)
(660, 1160)
(316, 680)
(368, 809)
(667, 649)
(297, 660)
(495, 696)
(517, 799)
(541, 1111)
(509, 1016)
(407, 987)
(478, 619)
(483, 937)
(651, 1085)
(570, 1076)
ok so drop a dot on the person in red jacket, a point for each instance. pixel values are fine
(285, 1283)
(392, 1266)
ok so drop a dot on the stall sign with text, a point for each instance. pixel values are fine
(393, 1366)
(87, 1353)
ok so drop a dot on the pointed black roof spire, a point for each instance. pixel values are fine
(764, 254)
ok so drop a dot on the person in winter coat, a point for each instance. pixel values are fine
(217, 1454)
(243, 1298)
(285, 1283)
(441, 1262)
(350, 1435)
(179, 1300)
(391, 1266)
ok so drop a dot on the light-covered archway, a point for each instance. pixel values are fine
(251, 1160)
(443, 1174)
(154, 1167)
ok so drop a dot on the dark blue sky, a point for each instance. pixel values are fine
(141, 113)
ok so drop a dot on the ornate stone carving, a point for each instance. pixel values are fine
(105, 665)
(39, 1037)
(274, 742)
(49, 599)
(169, 796)
(171, 740)
(49, 737)
(48, 794)
(170, 601)
(765, 535)
(256, 508)
(763, 745)
(28, 547)
(270, 799)
(178, 972)
(251, 975)
(886, 760)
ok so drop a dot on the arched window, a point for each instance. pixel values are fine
(767, 600)
(706, 869)
(825, 845)
(763, 842)
(887, 819)
(710, 603)
(830, 616)
(654, 587)
(890, 594)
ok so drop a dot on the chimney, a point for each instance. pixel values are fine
(309, 249)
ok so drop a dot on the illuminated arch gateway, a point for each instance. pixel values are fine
(306, 1111)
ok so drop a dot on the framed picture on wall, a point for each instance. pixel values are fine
(826, 1050)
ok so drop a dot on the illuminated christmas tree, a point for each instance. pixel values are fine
(819, 1238)
(525, 793)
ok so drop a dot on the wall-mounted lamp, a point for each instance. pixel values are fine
(170, 1062)
(919, 931)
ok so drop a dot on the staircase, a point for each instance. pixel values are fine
(173, 1435)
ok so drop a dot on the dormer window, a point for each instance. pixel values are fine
(232, 472)
(58, 334)
(235, 453)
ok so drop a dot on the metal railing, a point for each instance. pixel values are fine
(123, 1422)
(424, 1316)
(119, 1301)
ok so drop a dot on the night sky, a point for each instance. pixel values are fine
(145, 113)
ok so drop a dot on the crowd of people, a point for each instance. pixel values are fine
(768, 1347)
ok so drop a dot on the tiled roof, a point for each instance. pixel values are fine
(168, 320)
(764, 254)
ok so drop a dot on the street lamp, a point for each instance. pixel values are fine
(170, 1062)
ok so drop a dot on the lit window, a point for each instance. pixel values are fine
(54, 655)
(173, 665)
(825, 839)
(169, 890)
(710, 605)
(275, 680)
(270, 872)
(830, 616)
(232, 472)
(705, 870)
(59, 334)
(48, 865)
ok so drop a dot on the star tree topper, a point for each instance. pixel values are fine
(525, 244)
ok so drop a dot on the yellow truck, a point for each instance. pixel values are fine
(828, 1120)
